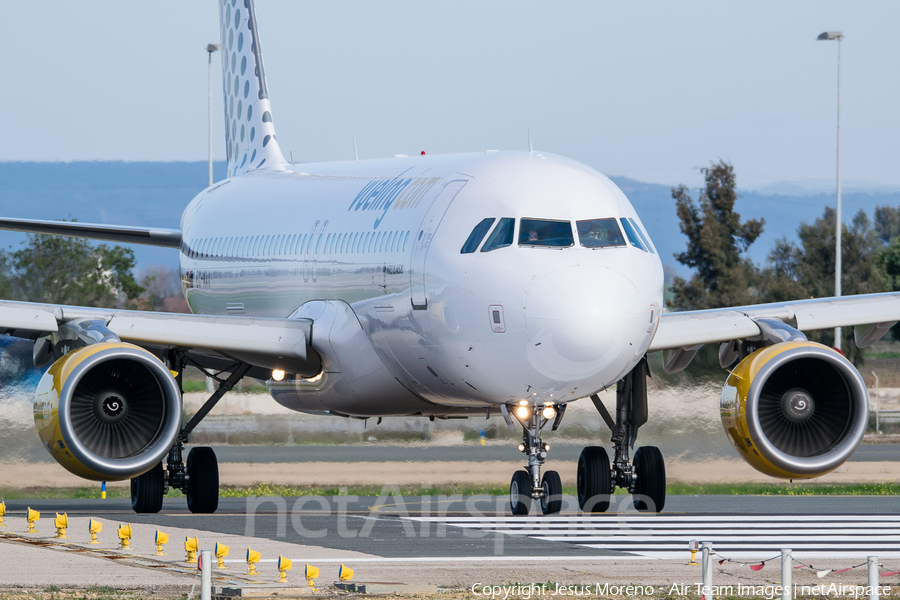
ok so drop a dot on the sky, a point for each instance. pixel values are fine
(649, 90)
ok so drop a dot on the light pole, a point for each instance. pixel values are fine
(825, 36)
(210, 48)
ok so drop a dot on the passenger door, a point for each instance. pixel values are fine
(423, 238)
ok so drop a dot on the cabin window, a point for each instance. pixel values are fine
(546, 233)
(367, 245)
(354, 242)
(254, 245)
(405, 239)
(502, 236)
(632, 235)
(599, 233)
(476, 236)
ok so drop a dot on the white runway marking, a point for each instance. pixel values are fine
(740, 536)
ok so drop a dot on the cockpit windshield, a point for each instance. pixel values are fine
(599, 233)
(476, 236)
(631, 232)
(539, 232)
(502, 236)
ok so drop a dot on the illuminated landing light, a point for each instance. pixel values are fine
(549, 412)
(521, 447)
(523, 412)
(277, 374)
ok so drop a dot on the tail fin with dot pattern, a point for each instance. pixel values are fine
(249, 130)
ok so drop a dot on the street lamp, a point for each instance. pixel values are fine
(826, 36)
(210, 48)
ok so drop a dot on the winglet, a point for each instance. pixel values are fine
(249, 130)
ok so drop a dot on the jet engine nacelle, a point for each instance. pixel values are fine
(108, 411)
(795, 410)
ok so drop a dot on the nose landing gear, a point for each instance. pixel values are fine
(528, 485)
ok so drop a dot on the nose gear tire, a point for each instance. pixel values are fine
(594, 481)
(203, 477)
(650, 486)
(520, 493)
(551, 501)
(147, 490)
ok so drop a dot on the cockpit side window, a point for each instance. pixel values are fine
(477, 235)
(540, 232)
(632, 234)
(502, 236)
(644, 237)
(599, 233)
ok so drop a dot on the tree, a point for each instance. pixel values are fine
(65, 270)
(780, 279)
(797, 272)
(717, 240)
(887, 223)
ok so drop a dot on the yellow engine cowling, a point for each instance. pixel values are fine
(108, 411)
(795, 410)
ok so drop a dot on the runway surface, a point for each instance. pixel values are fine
(431, 528)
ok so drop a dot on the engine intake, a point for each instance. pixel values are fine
(108, 411)
(795, 409)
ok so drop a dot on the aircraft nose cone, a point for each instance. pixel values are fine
(575, 320)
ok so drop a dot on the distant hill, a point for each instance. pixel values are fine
(118, 193)
(155, 194)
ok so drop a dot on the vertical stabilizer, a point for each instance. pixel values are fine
(249, 131)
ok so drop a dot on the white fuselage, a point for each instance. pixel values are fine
(477, 329)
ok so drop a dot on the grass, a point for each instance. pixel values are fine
(264, 489)
(189, 386)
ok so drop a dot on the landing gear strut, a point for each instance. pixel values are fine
(645, 475)
(528, 485)
(199, 480)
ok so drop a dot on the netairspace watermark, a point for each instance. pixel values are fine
(606, 590)
(420, 517)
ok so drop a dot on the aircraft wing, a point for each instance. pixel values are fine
(870, 313)
(148, 236)
(212, 341)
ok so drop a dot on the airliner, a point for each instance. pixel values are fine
(486, 285)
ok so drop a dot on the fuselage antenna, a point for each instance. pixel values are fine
(530, 147)
(355, 151)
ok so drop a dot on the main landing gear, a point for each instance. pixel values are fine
(199, 478)
(644, 475)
